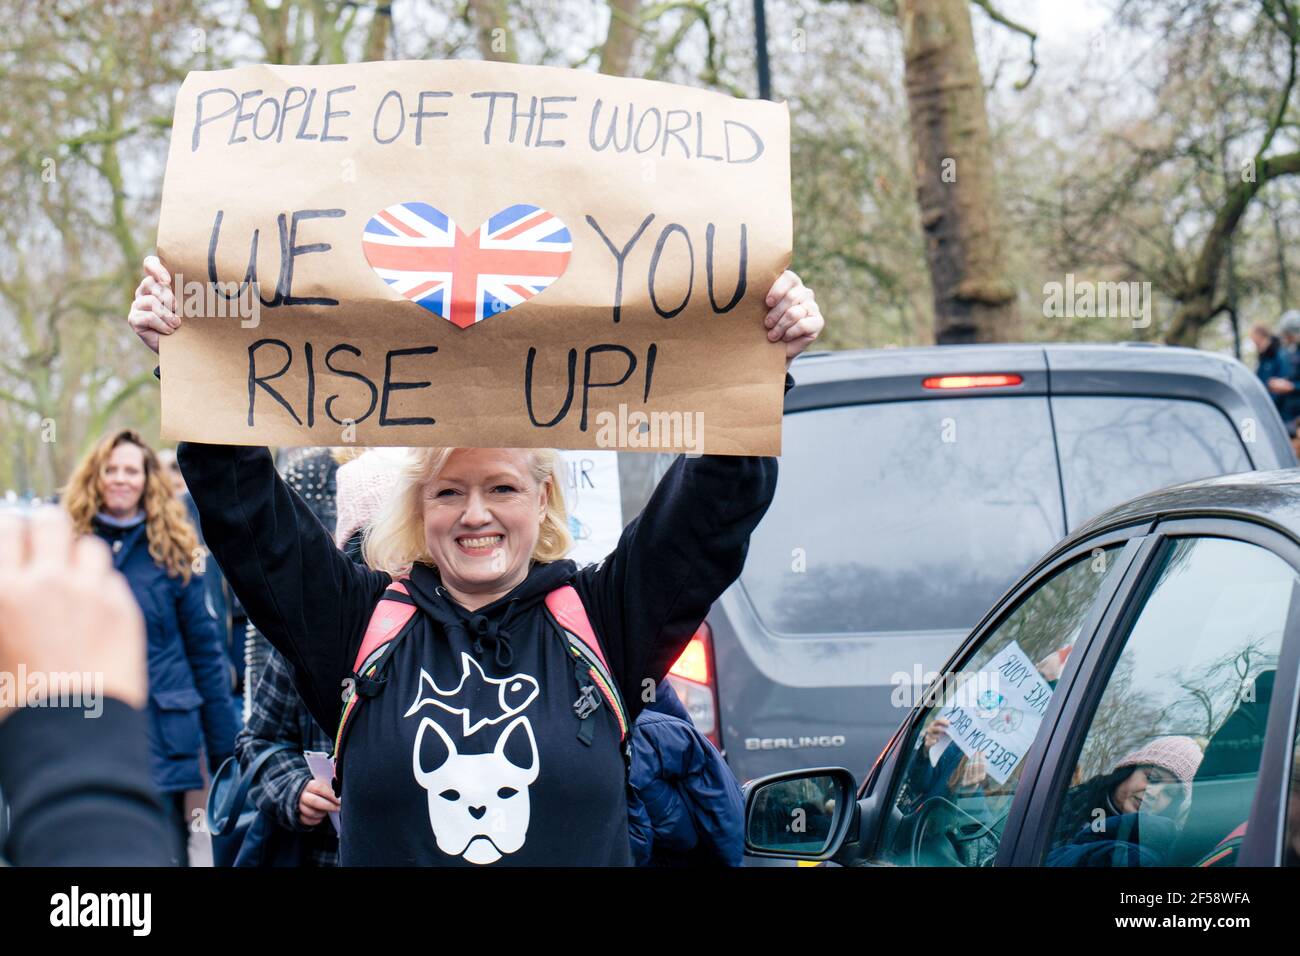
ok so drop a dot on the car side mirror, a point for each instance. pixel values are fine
(800, 814)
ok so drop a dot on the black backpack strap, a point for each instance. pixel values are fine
(235, 805)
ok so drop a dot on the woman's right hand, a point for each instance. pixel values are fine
(153, 312)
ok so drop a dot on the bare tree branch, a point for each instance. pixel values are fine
(999, 18)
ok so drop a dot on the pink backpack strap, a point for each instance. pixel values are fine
(565, 605)
(388, 618)
(393, 612)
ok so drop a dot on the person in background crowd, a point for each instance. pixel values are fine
(685, 806)
(311, 473)
(172, 472)
(364, 486)
(1274, 366)
(119, 493)
(79, 791)
(1287, 385)
(284, 787)
(221, 603)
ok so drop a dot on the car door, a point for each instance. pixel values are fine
(954, 796)
(1173, 746)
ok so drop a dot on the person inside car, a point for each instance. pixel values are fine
(952, 773)
(1130, 816)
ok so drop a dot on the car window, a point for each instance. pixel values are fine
(1167, 771)
(1291, 848)
(1114, 449)
(964, 761)
(923, 514)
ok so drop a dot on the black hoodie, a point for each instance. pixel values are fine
(470, 754)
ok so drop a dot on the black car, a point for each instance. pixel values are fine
(916, 486)
(1162, 640)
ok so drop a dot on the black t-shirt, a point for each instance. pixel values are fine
(471, 755)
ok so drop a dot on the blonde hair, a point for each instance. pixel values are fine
(394, 542)
(172, 539)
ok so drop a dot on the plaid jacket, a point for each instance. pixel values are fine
(278, 714)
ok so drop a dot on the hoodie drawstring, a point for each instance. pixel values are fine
(493, 633)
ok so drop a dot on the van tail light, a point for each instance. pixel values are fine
(972, 381)
(693, 679)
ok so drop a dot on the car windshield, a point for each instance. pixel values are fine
(904, 516)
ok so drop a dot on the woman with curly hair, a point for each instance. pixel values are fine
(120, 493)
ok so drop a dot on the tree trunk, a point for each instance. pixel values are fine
(377, 36)
(496, 41)
(974, 300)
(616, 53)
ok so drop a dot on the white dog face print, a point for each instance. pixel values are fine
(478, 803)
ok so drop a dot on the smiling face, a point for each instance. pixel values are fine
(122, 480)
(1146, 789)
(482, 516)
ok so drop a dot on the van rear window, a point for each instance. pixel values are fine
(1114, 449)
(904, 516)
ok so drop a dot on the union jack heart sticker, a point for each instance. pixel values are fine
(466, 277)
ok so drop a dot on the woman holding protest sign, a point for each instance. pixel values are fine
(483, 685)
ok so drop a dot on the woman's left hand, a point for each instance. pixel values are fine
(793, 316)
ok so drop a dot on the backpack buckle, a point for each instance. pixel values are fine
(587, 703)
(367, 686)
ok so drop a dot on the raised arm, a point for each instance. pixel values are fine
(690, 541)
(672, 562)
(310, 601)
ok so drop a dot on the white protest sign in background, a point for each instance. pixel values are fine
(1002, 722)
(592, 494)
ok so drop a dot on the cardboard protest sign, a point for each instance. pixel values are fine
(472, 254)
(1000, 723)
